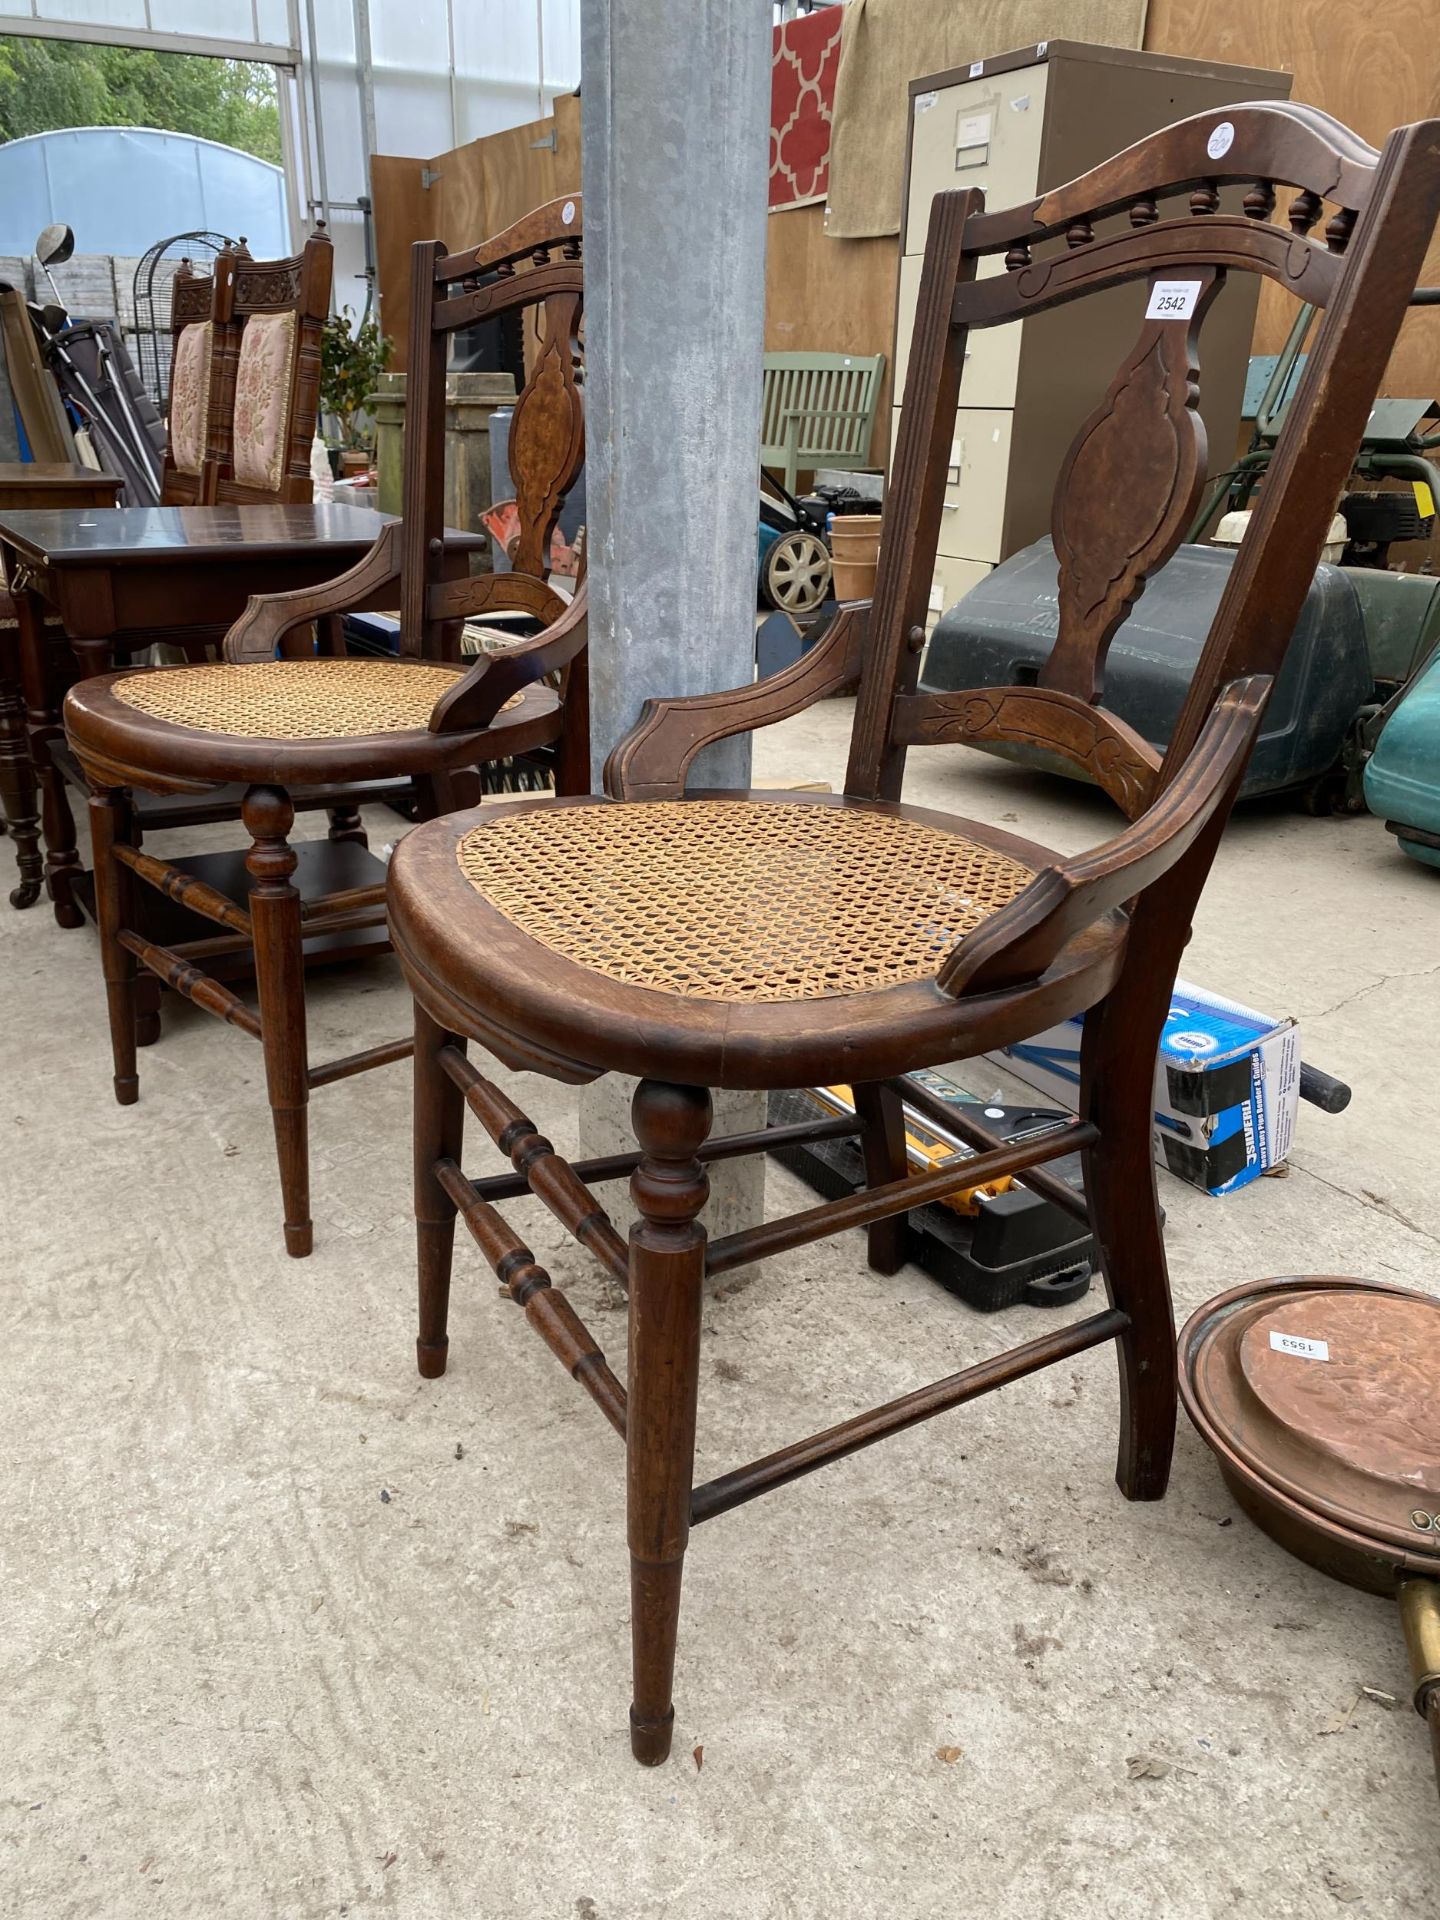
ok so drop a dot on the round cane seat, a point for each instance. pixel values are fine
(739, 902)
(290, 722)
(292, 699)
(725, 940)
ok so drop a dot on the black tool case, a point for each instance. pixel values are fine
(1017, 1248)
(1002, 632)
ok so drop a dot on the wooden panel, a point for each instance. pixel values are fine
(522, 169)
(1374, 68)
(832, 296)
(404, 212)
(477, 190)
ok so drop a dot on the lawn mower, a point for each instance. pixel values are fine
(794, 542)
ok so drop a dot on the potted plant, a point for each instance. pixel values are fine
(352, 358)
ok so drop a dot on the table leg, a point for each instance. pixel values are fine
(17, 779)
(62, 861)
(94, 655)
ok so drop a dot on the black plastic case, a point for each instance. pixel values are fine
(1018, 1249)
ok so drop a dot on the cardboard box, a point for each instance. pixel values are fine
(1227, 1086)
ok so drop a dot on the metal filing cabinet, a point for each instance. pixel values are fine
(1017, 126)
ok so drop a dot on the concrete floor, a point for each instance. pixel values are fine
(289, 1633)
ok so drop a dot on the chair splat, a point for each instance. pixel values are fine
(1128, 487)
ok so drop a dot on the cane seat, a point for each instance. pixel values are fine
(725, 930)
(294, 699)
(739, 902)
(230, 721)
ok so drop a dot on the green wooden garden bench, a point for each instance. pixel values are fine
(818, 411)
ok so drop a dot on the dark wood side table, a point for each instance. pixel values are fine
(45, 483)
(32, 484)
(124, 579)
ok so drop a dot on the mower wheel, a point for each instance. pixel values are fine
(796, 575)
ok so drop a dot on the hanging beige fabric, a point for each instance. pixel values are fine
(885, 44)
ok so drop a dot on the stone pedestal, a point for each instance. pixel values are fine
(674, 140)
(470, 399)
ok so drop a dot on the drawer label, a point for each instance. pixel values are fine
(1298, 1345)
(1172, 299)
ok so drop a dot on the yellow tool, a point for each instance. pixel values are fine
(926, 1148)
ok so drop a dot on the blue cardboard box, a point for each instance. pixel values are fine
(1227, 1086)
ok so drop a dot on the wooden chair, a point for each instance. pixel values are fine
(775, 941)
(199, 349)
(270, 316)
(275, 724)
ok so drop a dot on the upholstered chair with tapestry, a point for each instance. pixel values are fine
(269, 315)
(246, 342)
(198, 345)
(187, 480)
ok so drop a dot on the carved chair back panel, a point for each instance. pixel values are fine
(1131, 480)
(536, 268)
(1128, 487)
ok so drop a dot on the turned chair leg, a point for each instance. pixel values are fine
(881, 1113)
(1117, 1095)
(667, 1270)
(346, 824)
(280, 978)
(148, 993)
(439, 1135)
(110, 821)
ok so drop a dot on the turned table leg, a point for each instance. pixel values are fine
(62, 860)
(18, 791)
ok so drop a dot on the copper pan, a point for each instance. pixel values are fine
(1320, 1398)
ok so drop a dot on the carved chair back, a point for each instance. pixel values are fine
(534, 267)
(269, 319)
(1125, 494)
(198, 350)
(1131, 481)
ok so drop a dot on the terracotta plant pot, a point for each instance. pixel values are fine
(852, 582)
(855, 551)
(354, 460)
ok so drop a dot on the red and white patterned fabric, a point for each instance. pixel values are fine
(802, 93)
